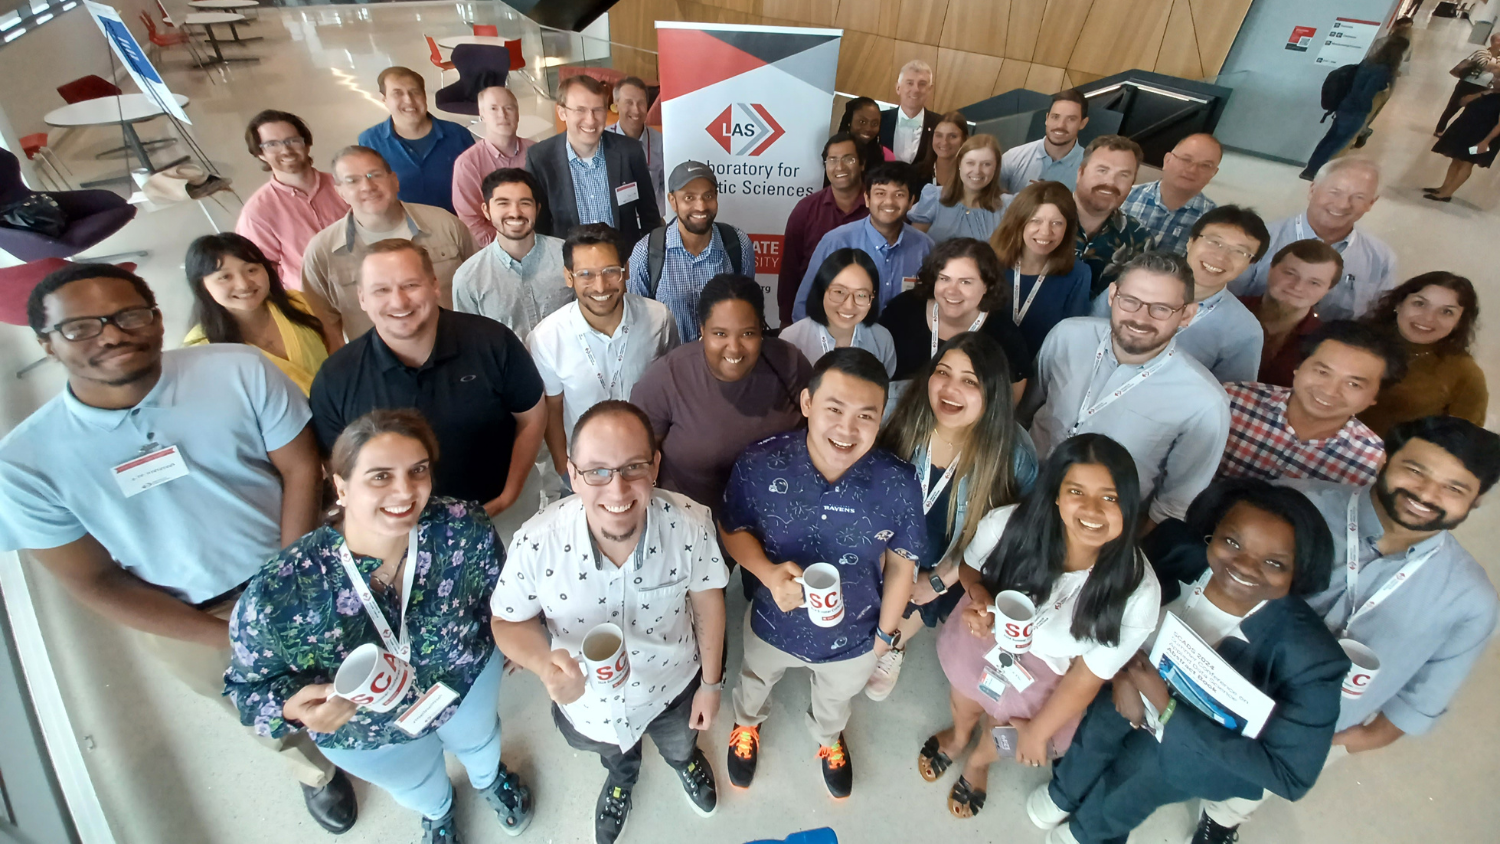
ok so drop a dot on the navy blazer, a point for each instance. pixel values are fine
(1290, 655)
(624, 161)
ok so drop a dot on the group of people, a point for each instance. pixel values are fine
(1179, 408)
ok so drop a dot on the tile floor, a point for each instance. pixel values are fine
(169, 768)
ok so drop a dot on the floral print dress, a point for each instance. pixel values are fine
(299, 618)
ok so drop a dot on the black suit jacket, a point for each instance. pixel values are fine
(624, 161)
(930, 120)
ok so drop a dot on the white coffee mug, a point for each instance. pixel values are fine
(606, 663)
(824, 595)
(373, 678)
(1365, 665)
(1015, 616)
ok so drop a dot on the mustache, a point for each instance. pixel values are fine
(109, 350)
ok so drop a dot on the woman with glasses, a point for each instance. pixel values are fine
(969, 205)
(1035, 246)
(940, 167)
(841, 310)
(238, 298)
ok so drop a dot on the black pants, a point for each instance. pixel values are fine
(669, 731)
(1461, 90)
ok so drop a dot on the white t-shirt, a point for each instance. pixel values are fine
(1053, 641)
(368, 236)
(1205, 619)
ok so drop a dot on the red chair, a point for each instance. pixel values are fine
(36, 149)
(487, 29)
(517, 61)
(87, 88)
(438, 62)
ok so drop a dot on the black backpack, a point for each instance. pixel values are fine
(1336, 86)
(656, 253)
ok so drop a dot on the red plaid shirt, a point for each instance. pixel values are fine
(1262, 444)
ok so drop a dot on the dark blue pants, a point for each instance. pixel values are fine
(1345, 126)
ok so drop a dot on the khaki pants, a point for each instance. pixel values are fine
(1237, 810)
(834, 685)
(202, 669)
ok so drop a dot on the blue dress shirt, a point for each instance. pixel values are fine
(426, 176)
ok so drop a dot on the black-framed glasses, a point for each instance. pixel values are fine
(298, 142)
(839, 295)
(610, 274)
(86, 328)
(603, 474)
(1157, 310)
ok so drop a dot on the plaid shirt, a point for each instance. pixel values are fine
(683, 274)
(1169, 228)
(1262, 444)
(1121, 238)
(591, 187)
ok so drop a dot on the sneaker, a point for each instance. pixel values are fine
(1211, 832)
(838, 774)
(1043, 810)
(511, 801)
(440, 831)
(698, 782)
(883, 679)
(744, 751)
(1061, 835)
(610, 813)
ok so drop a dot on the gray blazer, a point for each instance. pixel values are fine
(624, 162)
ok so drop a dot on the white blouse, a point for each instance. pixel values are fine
(813, 340)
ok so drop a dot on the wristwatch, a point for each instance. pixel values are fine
(938, 585)
(891, 639)
(713, 687)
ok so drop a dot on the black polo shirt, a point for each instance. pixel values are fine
(478, 375)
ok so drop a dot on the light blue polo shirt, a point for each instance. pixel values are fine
(225, 406)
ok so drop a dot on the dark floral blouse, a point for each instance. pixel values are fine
(299, 618)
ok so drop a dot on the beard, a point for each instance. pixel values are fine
(620, 538)
(697, 229)
(1390, 500)
(1137, 344)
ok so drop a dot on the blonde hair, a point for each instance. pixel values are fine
(989, 195)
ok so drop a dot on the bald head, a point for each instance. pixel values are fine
(1191, 165)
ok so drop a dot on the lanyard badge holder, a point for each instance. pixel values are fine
(1087, 410)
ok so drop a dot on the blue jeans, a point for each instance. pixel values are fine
(1345, 126)
(414, 772)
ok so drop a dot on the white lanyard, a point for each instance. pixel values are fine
(924, 468)
(978, 321)
(1302, 234)
(1086, 410)
(1351, 569)
(1197, 594)
(609, 388)
(399, 646)
(1048, 612)
(1204, 310)
(1018, 309)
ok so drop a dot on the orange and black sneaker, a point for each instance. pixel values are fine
(744, 751)
(838, 775)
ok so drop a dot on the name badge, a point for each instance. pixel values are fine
(136, 476)
(430, 705)
(1007, 669)
(908, 283)
(627, 193)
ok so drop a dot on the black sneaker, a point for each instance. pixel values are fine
(333, 806)
(698, 782)
(511, 801)
(838, 775)
(610, 813)
(440, 831)
(744, 752)
(1210, 832)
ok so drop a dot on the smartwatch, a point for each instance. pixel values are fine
(891, 639)
(938, 585)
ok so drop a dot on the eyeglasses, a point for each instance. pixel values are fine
(1221, 246)
(1204, 166)
(1157, 310)
(846, 160)
(580, 112)
(290, 143)
(606, 273)
(840, 295)
(351, 181)
(87, 328)
(603, 475)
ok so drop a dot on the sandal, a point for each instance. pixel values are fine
(965, 801)
(932, 762)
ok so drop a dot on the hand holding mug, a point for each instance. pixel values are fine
(979, 618)
(562, 677)
(318, 709)
(785, 589)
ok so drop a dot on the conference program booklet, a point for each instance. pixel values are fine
(1200, 677)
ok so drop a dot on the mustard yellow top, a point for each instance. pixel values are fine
(305, 351)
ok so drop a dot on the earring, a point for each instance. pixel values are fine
(1207, 540)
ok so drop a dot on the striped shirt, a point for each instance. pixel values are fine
(591, 186)
(1262, 443)
(683, 274)
(1169, 228)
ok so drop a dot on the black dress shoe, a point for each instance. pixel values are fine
(333, 806)
(1435, 198)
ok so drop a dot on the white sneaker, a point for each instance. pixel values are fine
(1044, 813)
(1061, 835)
(883, 679)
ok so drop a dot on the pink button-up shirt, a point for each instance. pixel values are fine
(469, 171)
(281, 219)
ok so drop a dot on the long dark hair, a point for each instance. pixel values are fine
(1031, 554)
(1312, 562)
(870, 154)
(729, 287)
(204, 258)
(837, 261)
(1461, 338)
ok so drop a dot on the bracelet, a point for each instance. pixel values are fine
(713, 687)
(1166, 714)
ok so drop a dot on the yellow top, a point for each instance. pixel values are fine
(305, 351)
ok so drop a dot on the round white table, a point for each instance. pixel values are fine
(207, 21)
(454, 40)
(126, 110)
(224, 5)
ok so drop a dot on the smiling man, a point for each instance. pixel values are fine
(1309, 431)
(1402, 586)
(817, 214)
(500, 148)
(1301, 273)
(897, 247)
(1054, 157)
(823, 495)
(419, 148)
(298, 202)
(633, 103)
(1107, 236)
(906, 130)
(1170, 206)
(1341, 194)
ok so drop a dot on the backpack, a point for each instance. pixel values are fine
(1336, 86)
(656, 253)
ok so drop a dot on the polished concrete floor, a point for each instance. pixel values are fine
(169, 767)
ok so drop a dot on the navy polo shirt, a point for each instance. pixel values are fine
(477, 376)
(424, 166)
(777, 494)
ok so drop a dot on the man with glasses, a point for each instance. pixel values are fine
(843, 201)
(330, 266)
(589, 175)
(1169, 206)
(155, 485)
(298, 202)
(418, 147)
(624, 553)
(595, 348)
(500, 147)
(1125, 377)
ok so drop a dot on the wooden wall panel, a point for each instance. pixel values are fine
(1044, 79)
(811, 12)
(748, 7)
(1012, 76)
(920, 20)
(1178, 55)
(1024, 26)
(865, 65)
(1061, 25)
(1216, 23)
(976, 26)
(875, 16)
(1121, 35)
(963, 78)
